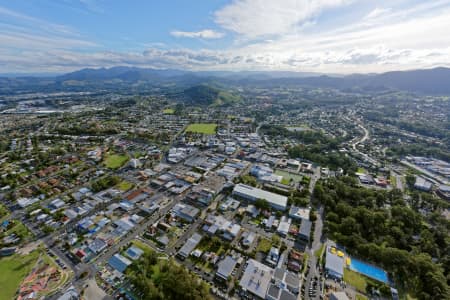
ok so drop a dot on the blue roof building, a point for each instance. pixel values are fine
(119, 263)
(134, 252)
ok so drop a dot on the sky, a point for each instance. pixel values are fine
(326, 36)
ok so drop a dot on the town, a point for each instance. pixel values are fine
(120, 196)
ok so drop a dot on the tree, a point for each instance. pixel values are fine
(262, 204)
(160, 279)
(410, 180)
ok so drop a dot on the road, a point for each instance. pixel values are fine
(315, 245)
(363, 139)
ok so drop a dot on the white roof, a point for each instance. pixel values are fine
(299, 212)
(256, 278)
(256, 193)
(334, 263)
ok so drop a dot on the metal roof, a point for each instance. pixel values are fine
(226, 267)
(255, 193)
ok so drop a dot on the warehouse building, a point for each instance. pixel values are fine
(252, 194)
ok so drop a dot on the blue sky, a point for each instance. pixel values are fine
(334, 36)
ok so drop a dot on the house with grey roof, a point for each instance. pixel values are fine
(225, 268)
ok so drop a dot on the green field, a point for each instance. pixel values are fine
(115, 161)
(13, 270)
(393, 181)
(204, 128)
(125, 186)
(142, 246)
(288, 176)
(264, 245)
(361, 170)
(19, 229)
(4, 212)
(169, 111)
(318, 253)
(285, 181)
(355, 279)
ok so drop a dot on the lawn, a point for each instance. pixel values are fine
(264, 245)
(362, 170)
(361, 297)
(305, 262)
(318, 252)
(204, 128)
(19, 229)
(356, 280)
(115, 161)
(393, 181)
(285, 181)
(142, 246)
(13, 270)
(125, 185)
(4, 212)
(169, 111)
(288, 176)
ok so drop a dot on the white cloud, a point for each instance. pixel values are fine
(259, 18)
(377, 12)
(203, 34)
(278, 35)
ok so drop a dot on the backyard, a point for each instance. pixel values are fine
(264, 245)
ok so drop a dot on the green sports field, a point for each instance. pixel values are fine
(204, 128)
(115, 161)
(13, 270)
(169, 111)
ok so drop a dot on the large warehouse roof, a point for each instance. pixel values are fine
(255, 193)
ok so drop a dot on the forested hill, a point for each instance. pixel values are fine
(209, 95)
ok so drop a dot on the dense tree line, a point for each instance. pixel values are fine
(305, 137)
(164, 279)
(104, 183)
(315, 147)
(378, 226)
(91, 129)
(420, 149)
(316, 154)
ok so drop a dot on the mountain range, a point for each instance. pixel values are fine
(426, 81)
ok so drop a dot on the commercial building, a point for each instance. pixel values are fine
(186, 212)
(226, 267)
(119, 263)
(189, 246)
(422, 184)
(305, 230)
(444, 192)
(334, 265)
(299, 213)
(256, 279)
(288, 280)
(283, 227)
(252, 194)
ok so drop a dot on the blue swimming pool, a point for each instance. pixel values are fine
(368, 270)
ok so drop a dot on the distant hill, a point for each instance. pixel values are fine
(429, 81)
(209, 95)
(124, 73)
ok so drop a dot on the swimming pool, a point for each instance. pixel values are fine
(368, 270)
